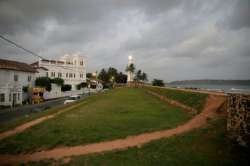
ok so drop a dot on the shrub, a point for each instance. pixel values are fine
(92, 86)
(43, 82)
(81, 85)
(157, 82)
(78, 86)
(66, 87)
(57, 81)
(25, 89)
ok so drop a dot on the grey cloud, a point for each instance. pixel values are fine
(169, 39)
(238, 17)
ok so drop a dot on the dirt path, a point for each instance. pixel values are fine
(172, 102)
(27, 125)
(213, 103)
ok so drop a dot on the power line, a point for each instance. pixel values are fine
(31, 52)
(21, 47)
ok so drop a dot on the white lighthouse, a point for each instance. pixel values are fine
(130, 73)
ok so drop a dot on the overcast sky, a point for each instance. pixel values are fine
(170, 40)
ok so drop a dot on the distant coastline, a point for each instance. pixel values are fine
(211, 81)
(238, 86)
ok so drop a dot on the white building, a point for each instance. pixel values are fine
(130, 74)
(13, 77)
(71, 68)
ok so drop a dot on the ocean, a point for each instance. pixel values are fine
(222, 87)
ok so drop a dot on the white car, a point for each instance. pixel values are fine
(72, 99)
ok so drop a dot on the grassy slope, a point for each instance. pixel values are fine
(192, 99)
(107, 116)
(24, 119)
(207, 146)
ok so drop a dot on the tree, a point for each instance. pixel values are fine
(138, 75)
(130, 68)
(144, 77)
(57, 81)
(103, 75)
(141, 76)
(81, 85)
(112, 74)
(43, 82)
(121, 78)
(157, 82)
(89, 75)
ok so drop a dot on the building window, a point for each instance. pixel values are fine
(2, 99)
(15, 77)
(74, 75)
(29, 78)
(66, 75)
(47, 74)
(59, 75)
(18, 96)
(53, 74)
(81, 63)
(10, 97)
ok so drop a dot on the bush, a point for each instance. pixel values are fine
(157, 82)
(81, 85)
(78, 86)
(43, 82)
(66, 87)
(107, 86)
(92, 86)
(57, 81)
(25, 89)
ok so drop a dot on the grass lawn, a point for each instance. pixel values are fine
(16, 122)
(115, 114)
(206, 147)
(192, 99)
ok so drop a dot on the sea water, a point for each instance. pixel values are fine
(225, 87)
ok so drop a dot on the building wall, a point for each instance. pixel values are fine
(41, 73)
(13, 89)
(72, 70)
(238, 122)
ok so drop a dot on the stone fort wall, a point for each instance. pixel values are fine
(238, 123)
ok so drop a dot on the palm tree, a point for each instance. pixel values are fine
(130, 68)
(144, 77)
(138, 76)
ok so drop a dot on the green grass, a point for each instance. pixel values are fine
(192, 99)
(205, 146)
(107, 116)
(24, 119)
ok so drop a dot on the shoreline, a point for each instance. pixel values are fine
(213, 90)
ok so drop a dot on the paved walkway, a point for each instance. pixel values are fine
(213, 103)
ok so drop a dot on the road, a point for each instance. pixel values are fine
(9, 114)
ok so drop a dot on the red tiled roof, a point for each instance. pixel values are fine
(14, 65)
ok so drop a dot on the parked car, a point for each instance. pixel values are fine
(72, 99)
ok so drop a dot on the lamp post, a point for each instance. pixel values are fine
(89, 88)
